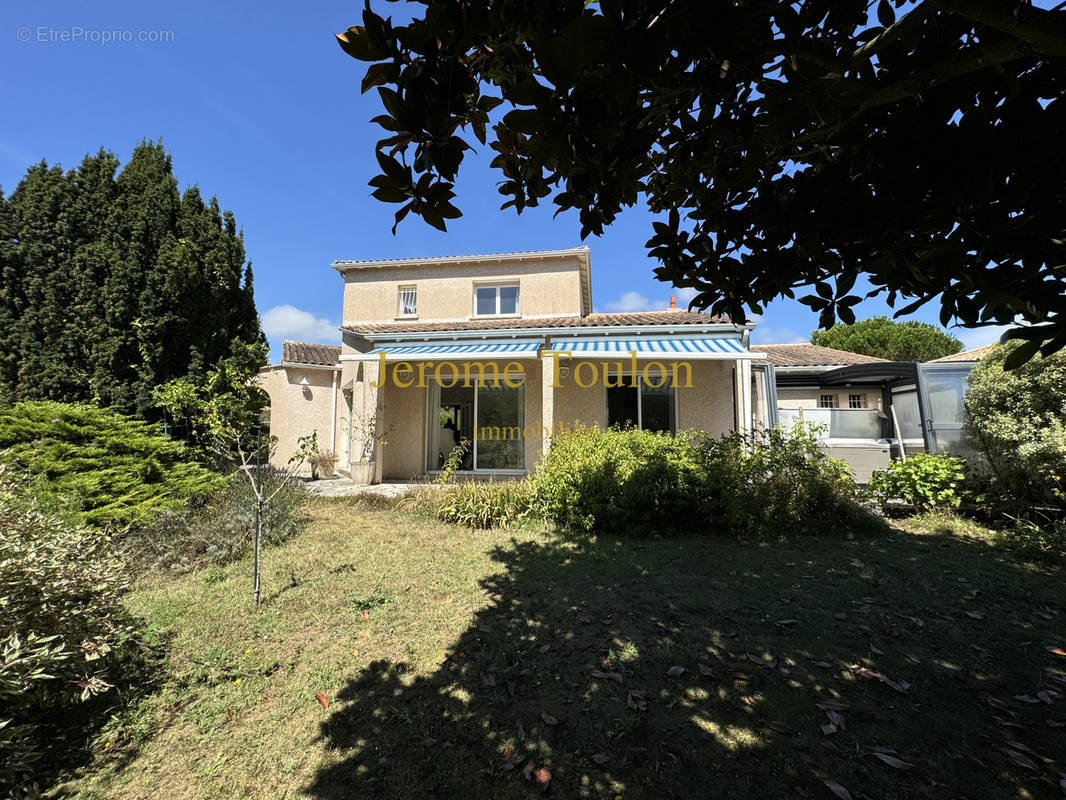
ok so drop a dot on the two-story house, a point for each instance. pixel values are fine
(503, 352)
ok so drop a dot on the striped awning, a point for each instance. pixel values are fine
(442, 351)
(708, 347)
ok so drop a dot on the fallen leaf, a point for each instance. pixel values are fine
(862, 672)
(892, 761)
(322, 699)
(484, 628)
(488, 679)
(548, 718)
(613, 676)
(899, 686)
(1057, 651)
(1054, 723)
(781, 623)
(975, 614)
(584, 619)
(601, 758)
(521, 733)
(762, 662)
(828, 728)
(229, 713)
(838, 790)
(704, 670)
(836, 719)
(1044, 697)
(840, 615)
(545, 648)
(778, 725)
(1022, 761)
(1026, 698)
(856, 563)
(544, 777)
(637, 700)
(832, 704)
(527, 770)
(823, 664)
(366, 615)
(876, 650)
(675, 671)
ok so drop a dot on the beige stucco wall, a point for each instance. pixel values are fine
(296, 410)
(707, 405)
(547, 287)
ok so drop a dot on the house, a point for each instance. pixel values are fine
(798, 368)
(504, 351)
(303, 396)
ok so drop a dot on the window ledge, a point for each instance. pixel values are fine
(406, 317)
(496, 316)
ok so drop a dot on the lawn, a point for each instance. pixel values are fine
(907, 664)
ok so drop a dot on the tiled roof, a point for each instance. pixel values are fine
(671, 318)
(325, 355)
(967, 355)
(365, 263)
(810, 355)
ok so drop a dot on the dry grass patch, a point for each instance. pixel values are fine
(910, 664)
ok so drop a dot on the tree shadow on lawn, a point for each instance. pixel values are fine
(896, 665)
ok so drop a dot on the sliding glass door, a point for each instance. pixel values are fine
(488, 417)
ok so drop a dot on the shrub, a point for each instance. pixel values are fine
(220, 530)
(777, 481)
(623, 481)
(925, 481)
(323, 463)
(1016, 421)
(63, 632)
(484, 505)
(96, 466)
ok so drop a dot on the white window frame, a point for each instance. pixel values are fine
(400, 314)
(861, 397)
(832, 400)
(626, 379)
(497, 286)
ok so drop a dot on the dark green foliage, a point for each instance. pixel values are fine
(925, 481)
(111, 282)
(491, 504)
(623, 481)
(785, 146)
(97, 466)
(220, 529)
(778, 481)
(1016, 421)
(65, 638)
(638, 482)
(885, 338)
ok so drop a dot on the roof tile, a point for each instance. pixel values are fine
(589, 321)
(310, 353)
(810, 355)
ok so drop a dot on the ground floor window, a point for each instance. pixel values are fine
(827, 401)
(856, 401)
(490, 417)
(643, 406)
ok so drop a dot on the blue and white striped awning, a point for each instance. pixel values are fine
(440, 351)
(707, 347)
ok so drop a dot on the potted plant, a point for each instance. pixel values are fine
(307, 450)
(365, 440)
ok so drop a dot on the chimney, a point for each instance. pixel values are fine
(673, 302)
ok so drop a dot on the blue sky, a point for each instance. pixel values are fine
(259, 106)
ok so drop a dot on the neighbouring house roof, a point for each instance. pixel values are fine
(967, 355)
(621, 319)
(319, 355)
(811, 355)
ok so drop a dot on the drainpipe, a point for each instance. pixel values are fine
(333, 415)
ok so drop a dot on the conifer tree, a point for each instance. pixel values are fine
(112, 282)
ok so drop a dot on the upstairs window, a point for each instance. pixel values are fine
(496, 301)
(408, 305)
(827, 401)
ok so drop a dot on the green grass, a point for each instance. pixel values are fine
(486, 650)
